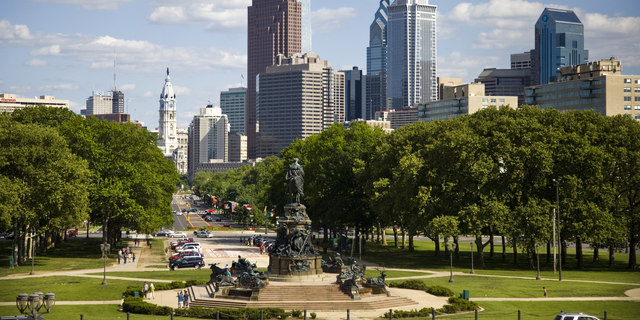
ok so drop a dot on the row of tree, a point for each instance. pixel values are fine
(490, 173)
(58, 169)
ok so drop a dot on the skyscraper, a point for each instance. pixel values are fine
(232, 103)
(559, 43)
(208, 139)
(376, 84)
(299, 96)
(354, 95)
(274, 27)
(411, 54)
(167, 122)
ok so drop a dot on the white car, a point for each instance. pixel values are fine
(179, 234)
(203, 234)
(190, 246)
(574, 316)
(165, 233)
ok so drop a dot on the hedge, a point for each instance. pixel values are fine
(420, 285)
(130, 292)
(137, 305)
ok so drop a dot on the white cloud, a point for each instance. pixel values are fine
(90, 4)
(47, 51)
(325, 20)
(502, 38)
(226, 15)
(607, 37)
(127, 87)
(149, 93)
(459, 65)
(36, 63)
(10, 31)
(181, 90)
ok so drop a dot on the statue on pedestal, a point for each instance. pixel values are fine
(295, 181)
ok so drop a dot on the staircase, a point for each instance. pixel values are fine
(301, 297)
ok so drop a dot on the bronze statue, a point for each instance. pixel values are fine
(295, 181)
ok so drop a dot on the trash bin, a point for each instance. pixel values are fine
(136, 294)
(465, 294)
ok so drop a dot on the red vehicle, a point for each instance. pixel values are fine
(72, 233)
(178, 243)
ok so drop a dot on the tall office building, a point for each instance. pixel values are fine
(167, 122)
(232, 103)
(521, 60)
(505, 82)
(274, 27)
(306, 26)
(117, 105)
(208, 139)
(100, 102)
(411, 54)
(559, 43)
(354, 95)
(298, 96)
(376, 84)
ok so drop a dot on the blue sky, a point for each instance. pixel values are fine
(65, 48)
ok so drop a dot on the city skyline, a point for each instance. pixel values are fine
(204, 44)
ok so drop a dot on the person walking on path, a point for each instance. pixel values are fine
(125, 258)
(186, 299)
(133, 256)
(145, 289)
(180, 299)
(119, 257)
(152, 290)
(544, 291)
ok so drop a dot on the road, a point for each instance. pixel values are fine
(189, 219)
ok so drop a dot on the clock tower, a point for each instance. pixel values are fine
(167, 128)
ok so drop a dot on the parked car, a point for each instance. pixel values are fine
(179, 234)
(208, 218)
(187, 262)
(164, 233)
(204, 234)
(180, 242)
(218, 219)
(186, 254)
(574, 316)
(72, 233)
(226, 225)
(191, 246)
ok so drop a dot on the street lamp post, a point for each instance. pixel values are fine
(453, 247)
(32, 304)
(538, 258)
(557, 183)
(33, 255)
(472, 271)
(105, 247)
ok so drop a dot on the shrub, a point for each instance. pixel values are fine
(440, 291)
(190, 283)
(410, 284)
(296, 313)
(136, 305)
(313, 315)
(458, 304)
(424, 312)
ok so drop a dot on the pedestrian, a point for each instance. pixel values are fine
(119, 257)
(145, 289)
(133, 256)
(241, 239)
(125, 258)
(544, 291)
(152, 290)
(261, 249)
(186, 299)
(180, 299)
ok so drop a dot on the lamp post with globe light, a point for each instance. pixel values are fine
(105, 247)
(33, 303)
(453, 247)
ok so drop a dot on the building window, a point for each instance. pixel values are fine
(637, 117)
(627, 90)
(627, 107)
(493, 100)
(484, 100)
(485, 106)
(627, 98)
(636, 90)
(637, 81)
(501, 100)
(627, 80)
(637, 107)
(637, 99)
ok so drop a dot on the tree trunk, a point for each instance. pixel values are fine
(515, 251)
(378, 233)
(479, 249)
(404, 238)
(548, 252)
(457, 250)
(564, 252)
(612, 258)
(504, 250)
(437, 243)
(395, 235)
(491, 248)
(384, 236)
(633, 241)
(579, 255)
(411, 248)
(596, 253)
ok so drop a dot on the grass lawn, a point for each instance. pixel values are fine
(73, 254)
(90, 312)
(508, 310)
(373, 273)
(177, 275)
(66, 288)
(519, 288)
(424, 258)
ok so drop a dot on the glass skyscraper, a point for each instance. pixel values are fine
(306, 26)
(411, 54)
(376, 84)
(559, 43)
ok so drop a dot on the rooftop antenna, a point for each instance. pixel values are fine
(114, 70)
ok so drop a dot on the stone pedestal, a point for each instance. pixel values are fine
(294, 254)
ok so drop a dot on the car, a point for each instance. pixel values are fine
(574, 316)
(179, 234)
(180, 242)
(204, 234)
(226, 225)
(208, 218)
(185, 254)
(164, 233)
(187, 262)
(194, 210)
(218, 219)
(72, 233)
(178, 213)
(189, 247)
